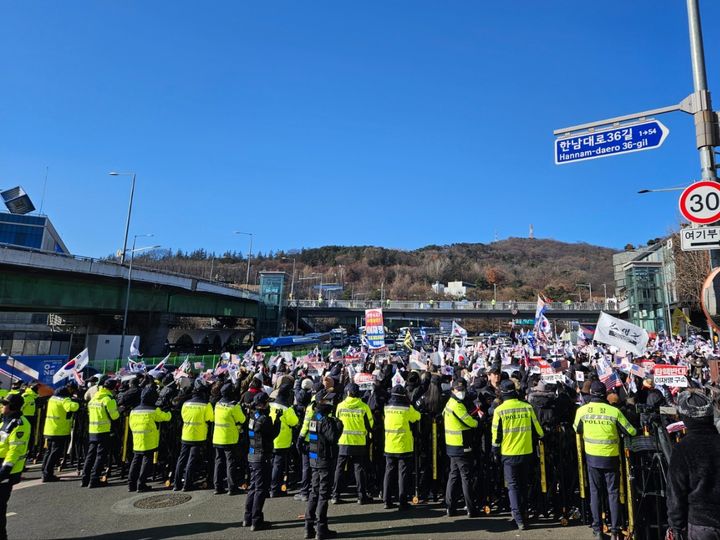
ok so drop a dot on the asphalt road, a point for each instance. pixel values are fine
(65, 510)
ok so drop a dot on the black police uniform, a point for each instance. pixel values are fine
(324, 431)
(261, 432)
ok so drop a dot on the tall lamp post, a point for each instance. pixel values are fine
(127, 221)
(247, 274)
(127, 294)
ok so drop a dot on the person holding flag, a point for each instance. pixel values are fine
(598, 423)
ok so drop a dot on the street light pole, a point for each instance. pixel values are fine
(127, 221)
(127, 293)
(247, 274)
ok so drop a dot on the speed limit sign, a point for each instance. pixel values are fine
(700, 202)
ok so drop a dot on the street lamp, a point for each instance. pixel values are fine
(659, 190)
(247, 274)
(292, 283)
(127, 221)
(127, 294)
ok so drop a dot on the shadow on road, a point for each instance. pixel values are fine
(177, 531)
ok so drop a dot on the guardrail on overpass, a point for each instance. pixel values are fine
(444, 305)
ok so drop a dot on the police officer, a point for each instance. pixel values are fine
(598, 422)
(229, 418)
(459, 426)
(14, 438)
(304, 399)
(399, 445)
(357, 421)
(512, 430)
(58, 424)
(144, 420)
(261, 432)
(102, 410)
(196, 412)
(324, 431)
(283, 442)
(29, 396)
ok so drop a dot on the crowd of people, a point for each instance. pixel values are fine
(485, 428)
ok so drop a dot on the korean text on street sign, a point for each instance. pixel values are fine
(700, 202)
(671, 375)
(700, 238)
(609, 142)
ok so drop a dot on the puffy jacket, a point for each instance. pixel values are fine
(288, 420)
(14, 438)
(458, 426)
(357, 420)
(398, 437)
(29, 397)
(512, 426)
(229, 418)
(58, 420)
(196, 413)
(102, 409)
(144, 421)
(598, 423)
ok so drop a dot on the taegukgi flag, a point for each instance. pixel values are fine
(621, 334)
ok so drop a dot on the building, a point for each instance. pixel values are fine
(645, 285)
(24, 230)
(456, 289)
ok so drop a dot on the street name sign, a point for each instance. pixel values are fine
(700, 238)
(700, 202)
(610, 142)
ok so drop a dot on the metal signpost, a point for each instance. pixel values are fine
(610, 142)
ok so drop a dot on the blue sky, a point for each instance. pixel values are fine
(388, 122)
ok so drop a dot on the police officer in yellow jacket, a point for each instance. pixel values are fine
(357, 420)
(283, 442)
(302, 448)
(399, 444)
(102, 410)
(29, 396)
(144, 420)
(14, 437)
(58, 424)
(598, 423)
(229, 418)
(512, 436)
(459, 426)
(196, 413)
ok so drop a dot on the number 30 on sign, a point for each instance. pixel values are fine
(700, 202)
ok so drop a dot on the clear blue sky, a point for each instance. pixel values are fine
(387, 122)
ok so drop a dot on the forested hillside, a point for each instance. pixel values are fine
(518, 267)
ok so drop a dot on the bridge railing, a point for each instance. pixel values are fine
(480, 305)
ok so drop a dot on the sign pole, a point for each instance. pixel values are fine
(705, 120)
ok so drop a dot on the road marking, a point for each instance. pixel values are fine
(10, 514)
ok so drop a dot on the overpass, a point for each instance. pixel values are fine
(41, 281)
(424, 310)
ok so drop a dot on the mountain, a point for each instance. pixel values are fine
(519, 268)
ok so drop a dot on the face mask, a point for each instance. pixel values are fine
(460, 395)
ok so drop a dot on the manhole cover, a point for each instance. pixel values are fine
(162, 501)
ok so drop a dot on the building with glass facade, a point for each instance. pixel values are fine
(645, 285)
(29, 231)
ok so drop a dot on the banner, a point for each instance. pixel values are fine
(364, 381)
(622, 334)
(375, 329)
(549, 375)
(671, 375)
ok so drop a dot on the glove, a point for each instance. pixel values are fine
(5, 472)
(496, 454)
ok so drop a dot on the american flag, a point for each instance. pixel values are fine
(607, 376)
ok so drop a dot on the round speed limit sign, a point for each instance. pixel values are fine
(700, 202)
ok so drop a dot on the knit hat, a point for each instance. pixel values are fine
(149, 396)
(226, 390)
(694, 405)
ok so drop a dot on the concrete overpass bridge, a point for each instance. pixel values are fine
(38, 281)
(349, 310)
